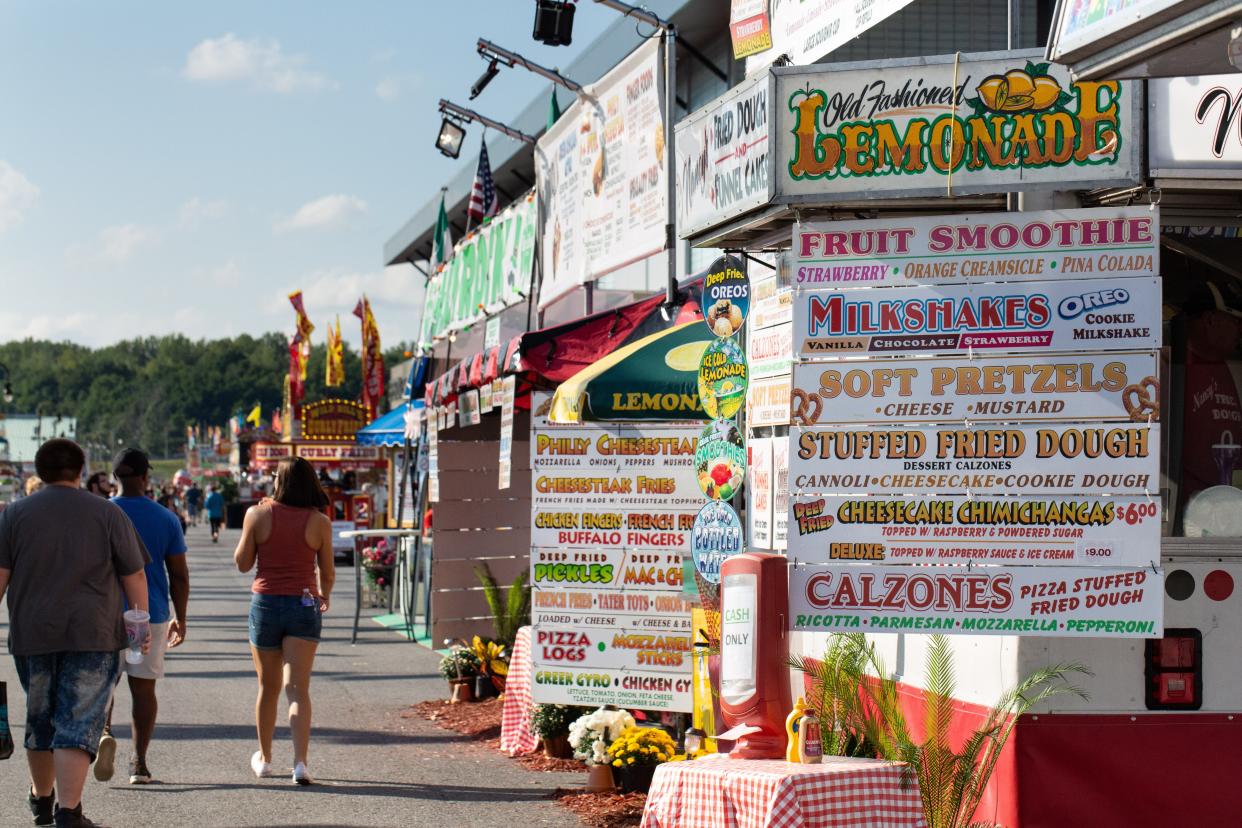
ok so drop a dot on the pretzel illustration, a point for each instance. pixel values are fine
(1142, 400)
(805, 408)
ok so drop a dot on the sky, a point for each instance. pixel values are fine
(182, 167)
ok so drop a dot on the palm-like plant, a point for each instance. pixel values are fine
(511, 609)
(951, 782)
(834, 694)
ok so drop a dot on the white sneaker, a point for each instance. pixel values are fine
(301, 775)
(261, 769)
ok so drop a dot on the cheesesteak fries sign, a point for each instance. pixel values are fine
(1068, 602)
(1084, 530)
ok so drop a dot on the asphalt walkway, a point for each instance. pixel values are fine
(373, 767)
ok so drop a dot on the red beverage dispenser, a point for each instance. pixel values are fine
(754, 651)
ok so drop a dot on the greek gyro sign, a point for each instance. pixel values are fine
(1082, 530)
(952, 124)
(614, 486)
(1069, 602)
(1062, 459)
(1069, 315)
(1056, 244)
(1069, 388)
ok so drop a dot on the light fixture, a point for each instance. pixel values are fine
(492, 70)
(554, 22)
(451, 136)
(694, 740)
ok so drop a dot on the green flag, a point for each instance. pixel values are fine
(442, 241)
(554, 110)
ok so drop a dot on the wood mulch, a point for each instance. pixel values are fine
(480, 722)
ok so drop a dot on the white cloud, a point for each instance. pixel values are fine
(388, 89)
(196, 211)
(324, 213)
(17, 195)
(396, 295)
(113, 245)
(56, 327)
(260, 62)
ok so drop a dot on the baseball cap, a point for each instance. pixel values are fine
(131, 462)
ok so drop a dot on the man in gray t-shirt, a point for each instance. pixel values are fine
(65, 557)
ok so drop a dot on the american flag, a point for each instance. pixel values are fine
(483, 201)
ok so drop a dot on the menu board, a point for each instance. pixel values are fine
(612, 514)
(1110, 458)
(780, 493)
(954, 529)
(1069, 315)
(760, 486)
(601, 173)
(988, 388)
(1010, 600)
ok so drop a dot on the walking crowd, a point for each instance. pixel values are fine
(98, 586)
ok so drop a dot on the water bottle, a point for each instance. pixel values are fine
(308, 600)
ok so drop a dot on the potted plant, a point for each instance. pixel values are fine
(510, 609)
(493, 661)
(551, 722)
(378, 562)
(459, 667)
(636, 754)
(590, 735)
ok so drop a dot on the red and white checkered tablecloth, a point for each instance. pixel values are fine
(516, 737)
(718, 792)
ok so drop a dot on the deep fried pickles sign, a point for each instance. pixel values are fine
(1082, 530)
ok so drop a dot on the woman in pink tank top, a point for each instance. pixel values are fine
(289, 542)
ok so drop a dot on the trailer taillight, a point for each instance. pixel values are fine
(1173, 670)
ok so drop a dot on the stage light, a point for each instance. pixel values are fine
(450, 139)
(490, 72)
(554, 22)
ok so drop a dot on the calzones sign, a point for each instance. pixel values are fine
(988, 388)
(1067, 315)
(1082, 530)
(1062, 459)
(1068, 601)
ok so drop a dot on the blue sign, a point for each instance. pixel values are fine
(717, 535)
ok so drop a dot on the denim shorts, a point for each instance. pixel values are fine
(275, 617)
(67, 698)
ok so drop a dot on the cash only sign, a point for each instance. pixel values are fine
(979, 394)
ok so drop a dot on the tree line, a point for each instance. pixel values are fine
(146, 391)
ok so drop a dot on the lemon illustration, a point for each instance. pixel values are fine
(686, 357)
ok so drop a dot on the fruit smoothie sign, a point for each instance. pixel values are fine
(1067, 602)
(1082, 530)
(950, 125)
(1069, 315)
(614, 486)
(1101, 242)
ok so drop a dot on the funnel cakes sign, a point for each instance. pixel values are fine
(946, 125)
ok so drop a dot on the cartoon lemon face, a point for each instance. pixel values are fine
(1018, 91)
(686, 357)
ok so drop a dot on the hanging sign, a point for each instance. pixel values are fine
(767, 402)
(608, 486)
(468, 413)
(720, 460)
(780, 493)
(1069, 315)
(759, 491)
(602, 174)
(508, 386)
(749, 27)
(949, 125)
(717, 535)
(1020, 600)
(1100, 242)
(433, 457)
(723, 378)
(1199, 131)
(988, 388)
(726, 296)
(807, 30)
(768, 351)
(774, 309)
(1108, 458)
(1080, 530)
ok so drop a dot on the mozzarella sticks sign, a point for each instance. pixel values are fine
(960, 318)
(1070, 601)
(1118, 459)
(989, 247)
(955, 529)
(1064, 388)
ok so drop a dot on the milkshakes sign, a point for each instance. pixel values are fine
(976, 123)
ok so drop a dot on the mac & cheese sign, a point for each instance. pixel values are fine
(977, 123)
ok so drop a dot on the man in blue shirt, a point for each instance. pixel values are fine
(168, 580)
(215, 511)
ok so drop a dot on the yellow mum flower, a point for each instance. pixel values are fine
(616, 763)
(630, 761)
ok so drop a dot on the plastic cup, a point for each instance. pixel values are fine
(137, 623)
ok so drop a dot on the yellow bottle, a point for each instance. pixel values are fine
(793, 752)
